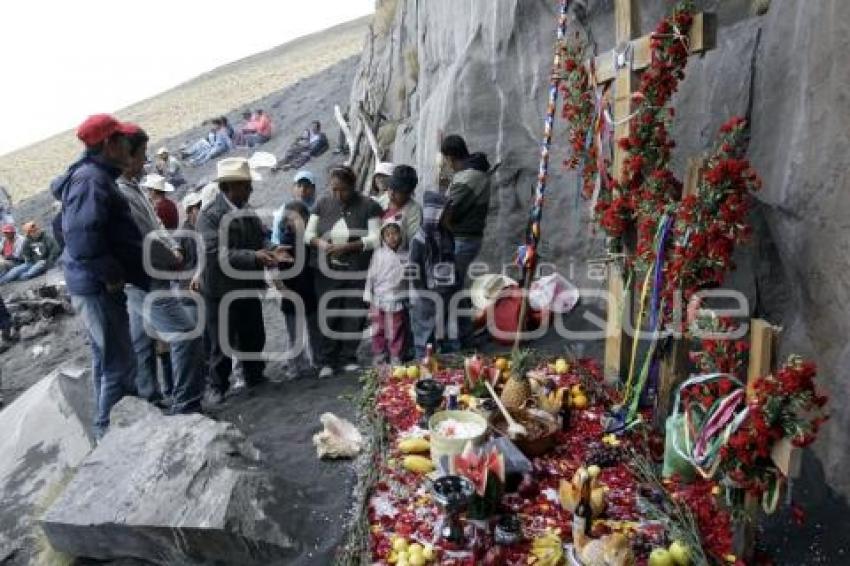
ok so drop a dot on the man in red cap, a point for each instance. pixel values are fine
(103, 251)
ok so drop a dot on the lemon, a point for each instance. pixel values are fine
(561, 366)
(399, 372)
(413, 372)
(580, 401)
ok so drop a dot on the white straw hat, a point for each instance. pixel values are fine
(156, 182)
(234, 169)
(192, 199)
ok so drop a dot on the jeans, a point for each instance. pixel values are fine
(113, 361)
(423, 324)
(466, 250)
(24, 271)
(167, 318)
(252, 140)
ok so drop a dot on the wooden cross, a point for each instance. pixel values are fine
(632, 55)
(787, 458)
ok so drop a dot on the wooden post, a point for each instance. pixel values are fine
(618, 343)
(762, 347)
(633, 54)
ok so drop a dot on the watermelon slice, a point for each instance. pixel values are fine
(473, 367)
(476, 466)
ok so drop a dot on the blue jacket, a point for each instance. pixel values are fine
(102, 243)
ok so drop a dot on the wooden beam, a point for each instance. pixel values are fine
(692, 175)
(617, 342)
(762, 343)
(762, 347)
(625, 20)
(701, 38)
(672, 372)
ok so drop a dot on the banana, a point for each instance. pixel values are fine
(414, 445)
(547, 550)
(419, 464)
(551, 403)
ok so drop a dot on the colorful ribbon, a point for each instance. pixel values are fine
(527, 254)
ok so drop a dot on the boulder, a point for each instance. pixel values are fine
(45, 435)
(169, 490)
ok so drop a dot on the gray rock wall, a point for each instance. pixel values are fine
(480, 68)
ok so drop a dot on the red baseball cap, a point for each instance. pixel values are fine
(97, 128)
(9, 229)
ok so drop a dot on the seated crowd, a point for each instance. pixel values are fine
(339, 261)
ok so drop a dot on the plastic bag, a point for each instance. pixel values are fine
(553, 293)
(674, 463)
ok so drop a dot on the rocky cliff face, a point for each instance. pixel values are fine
(480, 68)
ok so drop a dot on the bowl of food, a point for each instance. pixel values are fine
(451, 430)
(539, 425)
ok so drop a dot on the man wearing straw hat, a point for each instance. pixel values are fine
(232, 277)
(168, 166)
(103, 251)
(163, 317)
(166, 209)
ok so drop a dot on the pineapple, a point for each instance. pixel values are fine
(517, 390)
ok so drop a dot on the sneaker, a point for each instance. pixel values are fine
(326, 372)
(215, 397)
(351, 367)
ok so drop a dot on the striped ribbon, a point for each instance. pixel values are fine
(527, 254)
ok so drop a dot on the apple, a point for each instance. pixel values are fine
(661, 557)
(680, 552)
(400, 545)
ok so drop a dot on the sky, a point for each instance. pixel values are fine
(62, 60)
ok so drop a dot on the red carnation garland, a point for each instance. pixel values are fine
(579, 111)
(785, 404)
(709, 224)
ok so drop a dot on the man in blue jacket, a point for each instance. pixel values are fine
(103, 251)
